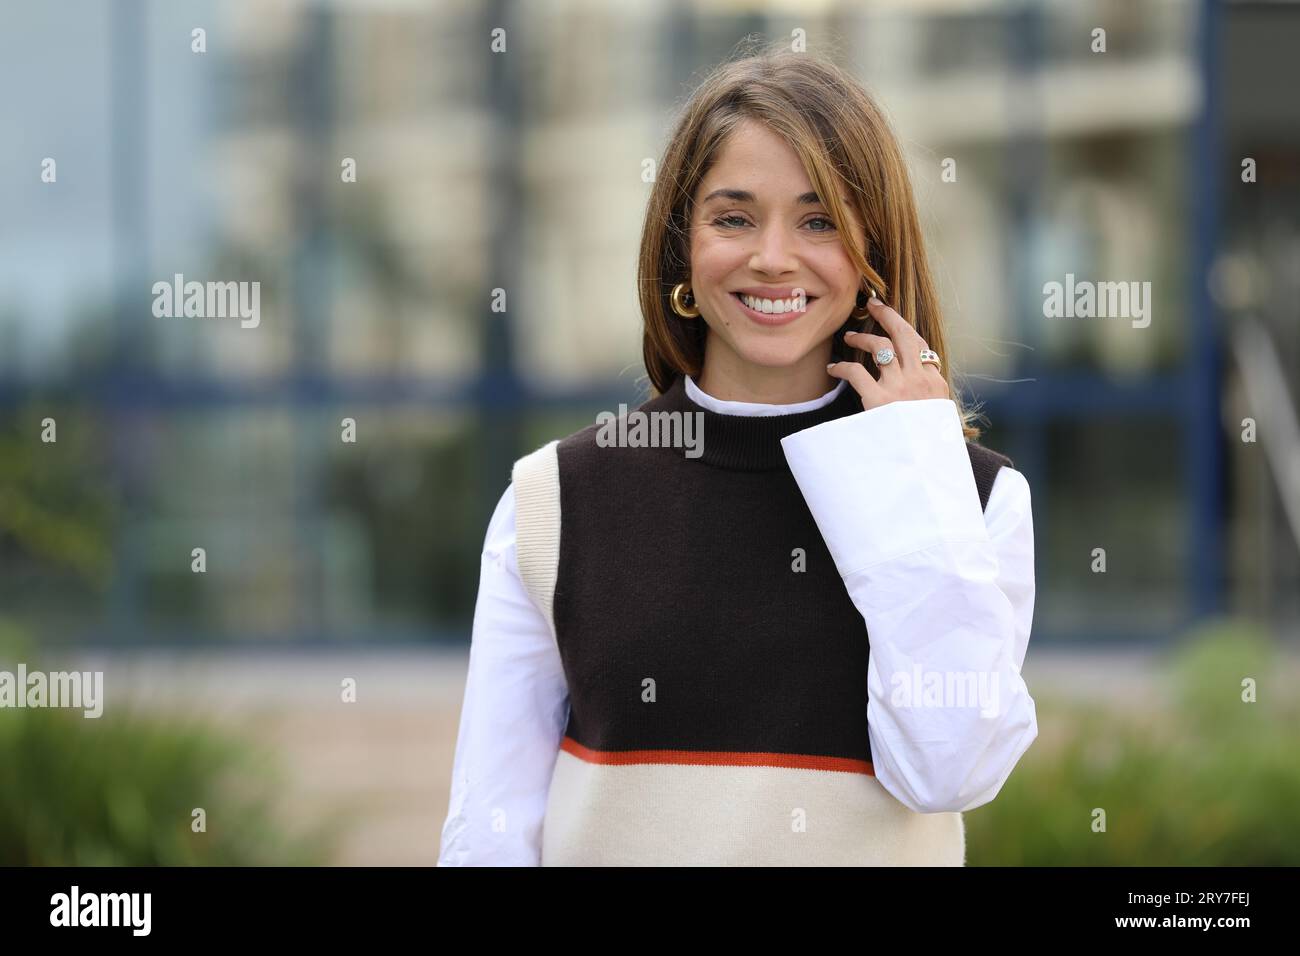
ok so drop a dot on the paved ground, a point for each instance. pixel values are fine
(389, 755)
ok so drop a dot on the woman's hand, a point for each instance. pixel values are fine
(905, 378)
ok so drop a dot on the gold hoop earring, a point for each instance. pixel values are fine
(683, 301)
(862, 311)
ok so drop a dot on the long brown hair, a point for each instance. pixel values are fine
(843, 139)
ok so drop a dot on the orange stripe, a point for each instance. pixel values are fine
(717, 758)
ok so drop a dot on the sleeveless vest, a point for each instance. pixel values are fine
(717, 695)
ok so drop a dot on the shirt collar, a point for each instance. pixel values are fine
(724, 407)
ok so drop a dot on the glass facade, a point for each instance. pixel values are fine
(444, 239)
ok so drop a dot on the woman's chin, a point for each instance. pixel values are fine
(773, 354)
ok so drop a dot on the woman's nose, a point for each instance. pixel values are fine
(774, 253)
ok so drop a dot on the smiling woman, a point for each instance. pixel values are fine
(686, 656)
(766, 256)
(783, 177)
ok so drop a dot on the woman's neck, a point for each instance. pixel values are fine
(746, 382)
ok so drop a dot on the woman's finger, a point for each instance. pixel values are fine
(860, 379)
(873, 344)
(907, 340)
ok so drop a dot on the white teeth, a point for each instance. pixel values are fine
(777, 306)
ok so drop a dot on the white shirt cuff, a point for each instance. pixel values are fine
(888, 481)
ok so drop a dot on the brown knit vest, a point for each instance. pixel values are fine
(717, 695)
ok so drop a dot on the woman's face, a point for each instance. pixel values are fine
(774, 241)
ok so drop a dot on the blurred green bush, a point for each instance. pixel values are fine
(121, 791)
(1205, 779)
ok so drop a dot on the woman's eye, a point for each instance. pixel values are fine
(735, 221)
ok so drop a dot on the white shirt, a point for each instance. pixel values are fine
(946, 591)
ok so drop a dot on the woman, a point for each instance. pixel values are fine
(801, 646)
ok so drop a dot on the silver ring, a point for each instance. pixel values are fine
(884, 356)
(930, 357)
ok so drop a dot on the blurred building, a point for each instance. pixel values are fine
(522, 171)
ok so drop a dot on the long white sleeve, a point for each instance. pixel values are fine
(946, 591)
(512, 719)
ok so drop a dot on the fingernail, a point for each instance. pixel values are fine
(831, 364)
(874, 301)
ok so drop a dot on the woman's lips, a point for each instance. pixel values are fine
(773, 318)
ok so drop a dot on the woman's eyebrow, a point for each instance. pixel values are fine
(744, 195)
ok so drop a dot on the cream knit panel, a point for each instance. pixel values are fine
(536, 479)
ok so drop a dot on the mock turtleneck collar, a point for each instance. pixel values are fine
(725, 407)
(750, 442)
